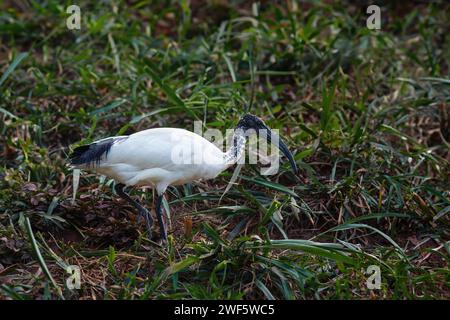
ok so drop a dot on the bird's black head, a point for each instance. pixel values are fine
(251, 123)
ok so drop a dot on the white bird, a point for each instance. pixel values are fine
(162, 157)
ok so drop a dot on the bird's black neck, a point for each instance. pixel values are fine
(237, 147)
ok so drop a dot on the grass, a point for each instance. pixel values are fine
(366, 112)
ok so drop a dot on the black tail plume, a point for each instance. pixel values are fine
(92, 153)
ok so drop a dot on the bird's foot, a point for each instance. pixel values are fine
(139, 219)
(163, 237)
(160, 240)
(145, 215)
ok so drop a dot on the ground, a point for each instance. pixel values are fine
(365, 112)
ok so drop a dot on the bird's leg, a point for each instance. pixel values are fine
(142, 211)
(160, 218)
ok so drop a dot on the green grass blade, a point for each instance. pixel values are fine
(108, 107)
(348, 226)
(327, 250)
(18, 59)
(12, 293)
(271, 185)
(265, 290)
(155, 75)
(40, 259)
(7, 113)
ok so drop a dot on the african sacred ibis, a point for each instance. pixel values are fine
(149, 158)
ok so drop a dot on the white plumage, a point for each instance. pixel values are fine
(162, 157)
(151, 158)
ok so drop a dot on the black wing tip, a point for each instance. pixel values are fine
(91, 154)
(76, 157)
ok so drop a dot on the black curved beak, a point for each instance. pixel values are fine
(273, 137)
